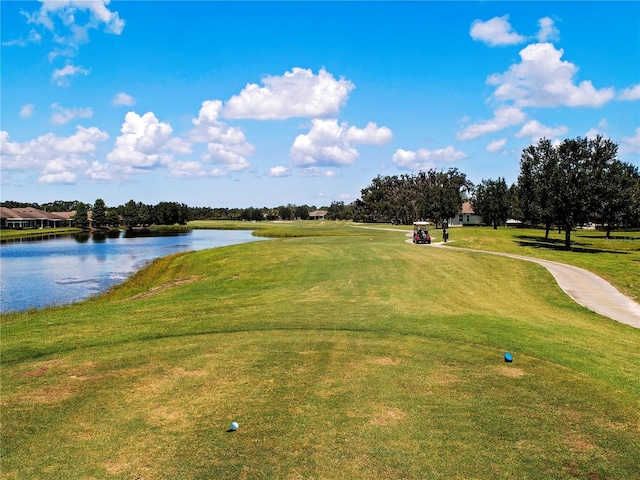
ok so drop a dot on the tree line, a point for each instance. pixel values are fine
(134, 214)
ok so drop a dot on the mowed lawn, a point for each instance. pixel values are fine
(341, 352)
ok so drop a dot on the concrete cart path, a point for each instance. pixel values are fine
(586, 288)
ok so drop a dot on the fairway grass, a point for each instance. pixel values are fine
(341, 353)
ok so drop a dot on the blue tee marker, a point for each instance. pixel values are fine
(508, 357)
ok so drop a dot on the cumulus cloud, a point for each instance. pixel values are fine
(548, 30)
(542, 79)
(62, 76)
(142, 143)
(123, 99)
(329, 143)
(27, 110)
(298, 93)
(58, 159)
(58, 178)
(189, 169)
(495, 32)
(425, 159)
(61, 115)
(227, 146)
(503, 117)
(631, 93)
(631, 145)
(279, 171)
(534, 130)
(496, 145)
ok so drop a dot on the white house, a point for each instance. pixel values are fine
(317, 215)
(465, 217)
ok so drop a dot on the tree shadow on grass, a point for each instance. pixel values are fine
(558, 245)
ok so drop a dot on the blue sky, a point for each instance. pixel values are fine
(238, 104)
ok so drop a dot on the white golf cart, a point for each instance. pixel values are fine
(421, 233)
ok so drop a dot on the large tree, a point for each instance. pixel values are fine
(99, 214)
(492, 201)
(131, 214)
(537, 184)
(571, 183)
(432, 195)
(81, 218)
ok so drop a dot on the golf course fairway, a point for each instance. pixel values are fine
(340, 353)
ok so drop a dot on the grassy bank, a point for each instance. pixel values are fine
(10, 234)
(341, 352)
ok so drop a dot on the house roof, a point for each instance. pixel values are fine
(30, 213)
(466, 208)
(318, 213)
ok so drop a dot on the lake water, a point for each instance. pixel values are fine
(62, 269)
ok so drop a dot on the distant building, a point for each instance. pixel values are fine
(317, 215)
(466, 216)
(29, 217)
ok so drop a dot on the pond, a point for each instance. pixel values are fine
(60, 269)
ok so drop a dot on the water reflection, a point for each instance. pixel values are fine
(59, 269)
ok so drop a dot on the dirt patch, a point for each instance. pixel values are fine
(388, 417)
(32, 373)
(510, 371)
(163, 287)
(47, 395)
(385, 361)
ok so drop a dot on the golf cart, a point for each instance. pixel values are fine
(421, 232)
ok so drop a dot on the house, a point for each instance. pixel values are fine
(29, 217)
(317, 215)
(465, 217)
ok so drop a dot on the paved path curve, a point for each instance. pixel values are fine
(586, 288)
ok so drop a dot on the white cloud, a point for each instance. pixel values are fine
(548, 30)
(60, 177)
(142, 143)
(59, 159)
(631, 145)
(123, 99)
(33, 37)
(27, 110)
(631, 93)
(542, 79)
(599, 130)
(503, 117)
(425, 159)
(61, 115)
(496, 145)
(534, 130)
(179, 146)
(328, 143)
(227, 146)
(495, 32)
(315, 172)
(298, 93)
(62, 76)
(70, 20)
(279, 171)
(189, 169)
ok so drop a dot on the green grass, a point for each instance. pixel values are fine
(8, 234)
(617, 259)
(341, 352)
